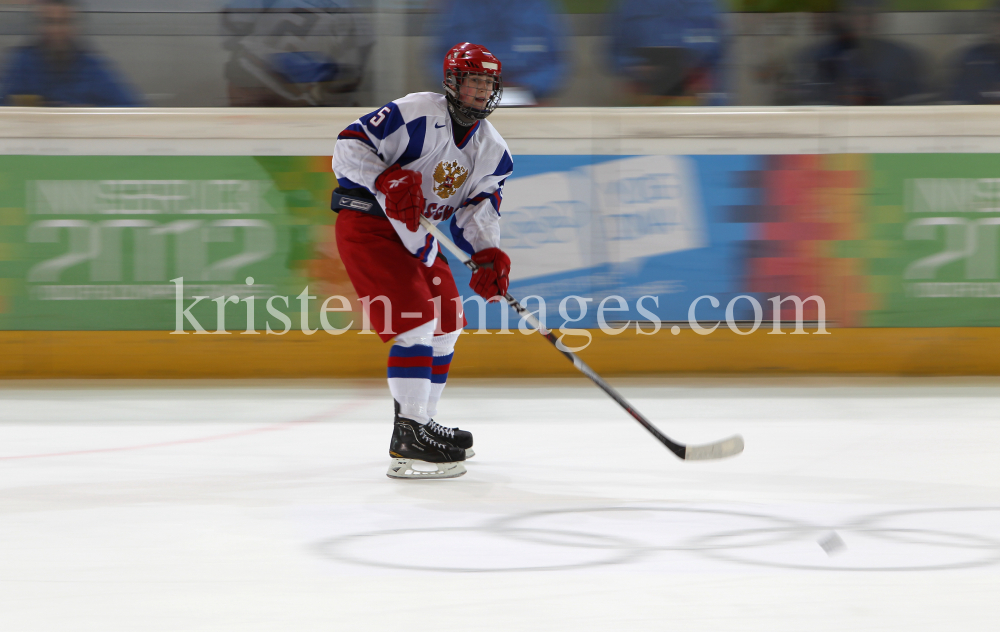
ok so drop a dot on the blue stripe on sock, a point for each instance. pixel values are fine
(418, 372)
(439, 360)
(439, 379)
(411, 352)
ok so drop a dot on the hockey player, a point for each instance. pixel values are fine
(435, 156)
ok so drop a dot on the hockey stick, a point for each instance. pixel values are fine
(718, 450)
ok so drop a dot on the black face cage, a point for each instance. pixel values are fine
(451, 88)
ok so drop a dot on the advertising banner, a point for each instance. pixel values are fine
(623, 227)
(935, 226)
(106, 243)
(885, 240)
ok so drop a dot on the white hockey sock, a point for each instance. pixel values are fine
(409, 374)
(444, 350)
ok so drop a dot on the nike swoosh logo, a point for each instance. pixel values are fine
(436, 126)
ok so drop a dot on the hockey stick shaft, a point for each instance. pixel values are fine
(727, 447)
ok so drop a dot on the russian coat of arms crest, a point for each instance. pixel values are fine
(448, 177)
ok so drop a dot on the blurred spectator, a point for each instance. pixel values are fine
(295, 52)
(977, 74)
(671, 51)
(57, 69)
(527, 36)
(854, 67)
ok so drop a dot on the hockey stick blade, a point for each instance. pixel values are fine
(710, 451)
(718, 450)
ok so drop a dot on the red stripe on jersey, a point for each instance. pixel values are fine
(468, 135)
(352, 133)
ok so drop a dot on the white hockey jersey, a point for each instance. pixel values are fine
(462, 183)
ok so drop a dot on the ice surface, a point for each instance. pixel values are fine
(265, 506)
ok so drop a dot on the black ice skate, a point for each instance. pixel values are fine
(454, 436)
(416, 453)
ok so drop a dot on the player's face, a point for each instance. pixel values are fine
(475, 91)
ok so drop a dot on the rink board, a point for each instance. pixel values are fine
(140, 354)
(890, 216)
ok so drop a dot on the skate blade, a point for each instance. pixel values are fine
(470, 453)
(412, 468)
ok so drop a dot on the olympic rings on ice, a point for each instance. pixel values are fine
(575, 538)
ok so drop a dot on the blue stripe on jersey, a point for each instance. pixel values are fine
(354, 131)
(495, 198)
(383, 121)
(475, 200)
(506, 165)
(416, 129)
(468, 135)
(479, 198)
(425, 249)
(458, 236)
(420, 372)
(350, 184)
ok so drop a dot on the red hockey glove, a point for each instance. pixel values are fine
(491, 280)
(404, 199)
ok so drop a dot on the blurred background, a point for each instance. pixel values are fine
(218, 53)
(889, 219)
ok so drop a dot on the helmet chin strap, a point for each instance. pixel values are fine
(460, 118)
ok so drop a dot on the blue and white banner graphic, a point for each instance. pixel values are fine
(610, 226)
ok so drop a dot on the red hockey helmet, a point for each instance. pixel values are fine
(462, 61)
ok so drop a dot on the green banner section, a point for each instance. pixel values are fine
(104, 243)
(934, 232)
